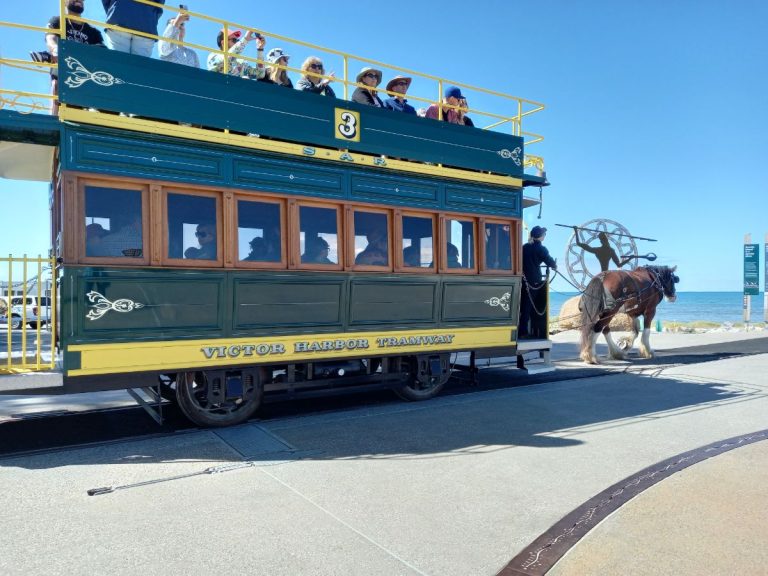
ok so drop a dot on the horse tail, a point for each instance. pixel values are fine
(591, 305)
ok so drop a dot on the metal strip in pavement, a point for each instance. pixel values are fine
(541, 555)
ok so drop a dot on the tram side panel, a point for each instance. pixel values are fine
(131, 324)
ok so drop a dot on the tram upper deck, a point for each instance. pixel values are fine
(171, 100)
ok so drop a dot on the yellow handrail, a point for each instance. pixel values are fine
(524, 107)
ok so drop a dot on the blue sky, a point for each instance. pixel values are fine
(656, 116)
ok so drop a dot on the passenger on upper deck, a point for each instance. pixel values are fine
(316, 251)
(311, 81)
(238, 66)
(371, 78)
(81, 32)
(453, 97)
(275, 74)
(134, 16)
(176, 53)
(399, 84)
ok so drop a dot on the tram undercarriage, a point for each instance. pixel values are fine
(223, 397)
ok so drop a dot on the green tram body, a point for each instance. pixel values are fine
(220, 334)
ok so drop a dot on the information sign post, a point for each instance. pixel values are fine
(751, 274)
(765, 281)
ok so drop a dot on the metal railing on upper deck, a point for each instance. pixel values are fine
(503, 112)
(28, 310)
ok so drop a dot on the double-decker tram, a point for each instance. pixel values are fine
(221, 241)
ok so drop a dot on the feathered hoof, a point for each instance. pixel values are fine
(618, 356)
(589, 359)
(647, 354)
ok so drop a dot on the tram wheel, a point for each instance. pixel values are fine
(218, 398)
(428, 375)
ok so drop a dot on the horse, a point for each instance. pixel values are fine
(636, 293)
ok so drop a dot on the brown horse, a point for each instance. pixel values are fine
(636, 293)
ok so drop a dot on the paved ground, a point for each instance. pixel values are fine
(458, 485)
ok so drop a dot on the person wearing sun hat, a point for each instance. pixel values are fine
(397, 102)
(370, 78)
(275, 74)
(533, 299)
(236, 45)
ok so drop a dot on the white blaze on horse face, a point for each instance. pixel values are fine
(672, 298)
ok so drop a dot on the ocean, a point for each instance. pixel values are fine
(717, 307)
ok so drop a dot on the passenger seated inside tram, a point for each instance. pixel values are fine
(263, 251)
(375, 253)
(452, 255)
(411, 257)
(206, 238)
(93, 235)
(316, 251)
(125, 241)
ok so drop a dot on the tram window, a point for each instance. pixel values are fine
(318, 235)
(498, 247)
(371, 238)
(460, 243)
(258, 231)
(113, 223)
(192, 230)
(418, 242)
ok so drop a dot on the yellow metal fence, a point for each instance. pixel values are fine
(501, 110)
(28, 310)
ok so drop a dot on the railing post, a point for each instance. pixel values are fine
(440, 99)
(225, 47)
(10, 300)
(54, 311)
(346, 78)
(24, 310)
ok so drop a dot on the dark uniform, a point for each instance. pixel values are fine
(533, 324)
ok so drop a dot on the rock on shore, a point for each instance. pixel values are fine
(570, 317)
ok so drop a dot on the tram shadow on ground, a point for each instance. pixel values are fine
(461, 424)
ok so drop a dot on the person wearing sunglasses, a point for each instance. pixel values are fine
(312, 80)
(206, 238)
(397, 101)
(370, 78)
(236, 45)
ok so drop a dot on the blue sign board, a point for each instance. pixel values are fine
(751, 269)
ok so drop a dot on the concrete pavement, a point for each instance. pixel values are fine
(457, 485)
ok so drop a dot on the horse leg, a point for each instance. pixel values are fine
(613, 350)
(627, 342)
(588, 354)
(645, 341)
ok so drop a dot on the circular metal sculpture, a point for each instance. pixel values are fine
(591, 246)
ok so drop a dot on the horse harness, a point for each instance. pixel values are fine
(610, 301)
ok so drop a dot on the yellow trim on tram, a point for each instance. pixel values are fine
(96, 359)
(80, 116)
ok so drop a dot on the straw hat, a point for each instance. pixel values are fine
(365, 71)
(397, 79)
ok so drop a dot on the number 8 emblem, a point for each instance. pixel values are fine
(347, 125)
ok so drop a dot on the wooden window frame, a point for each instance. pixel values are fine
(443, 269)
(349, 211)
(294, 259)
(399, 264)
(512, 248)
(284, 236)
(81, 183)
(165, 260)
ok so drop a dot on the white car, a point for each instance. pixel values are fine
(34, 313)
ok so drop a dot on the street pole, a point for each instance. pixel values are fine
(765, 281)
(747, 304)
